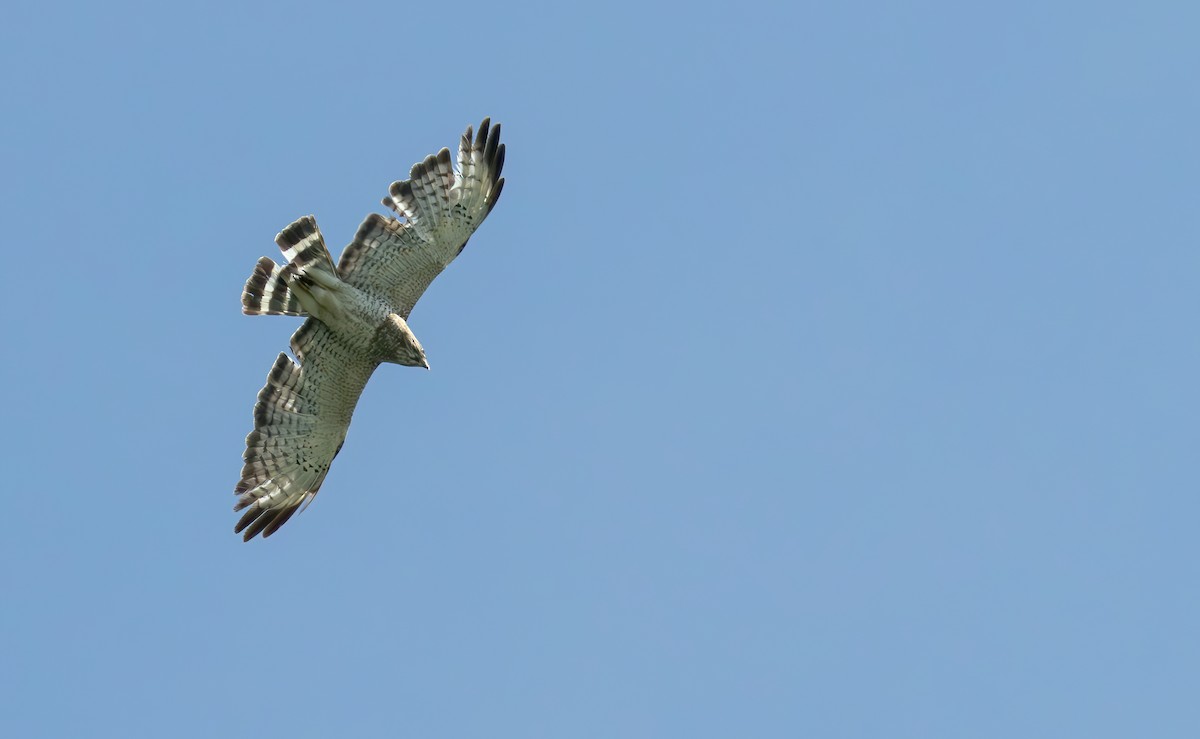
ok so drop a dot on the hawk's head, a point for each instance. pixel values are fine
(394, 342)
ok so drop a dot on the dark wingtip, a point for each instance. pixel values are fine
(498, 166)
(493, 140)
(258, 520)
(247, 518)
(481, 137)
(495, 195)
(280, 520)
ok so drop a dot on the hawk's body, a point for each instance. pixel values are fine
(357, 315)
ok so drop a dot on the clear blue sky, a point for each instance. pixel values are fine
(826, 370)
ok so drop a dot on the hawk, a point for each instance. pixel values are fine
(356, 319)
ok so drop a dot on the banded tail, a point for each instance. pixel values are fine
(268, 291)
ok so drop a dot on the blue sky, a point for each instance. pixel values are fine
(827, 369)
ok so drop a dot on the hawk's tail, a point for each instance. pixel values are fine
(266, 292)
(304, 248)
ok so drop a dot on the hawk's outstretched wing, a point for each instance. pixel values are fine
(300, 422)
(441, 206)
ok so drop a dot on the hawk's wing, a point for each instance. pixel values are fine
(441, 206)
(300, 421)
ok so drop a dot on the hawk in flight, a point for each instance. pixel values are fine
(356, 319)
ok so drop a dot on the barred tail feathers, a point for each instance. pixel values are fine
(310, 274)
(304, 248)
(268, 290)
(267, 294)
